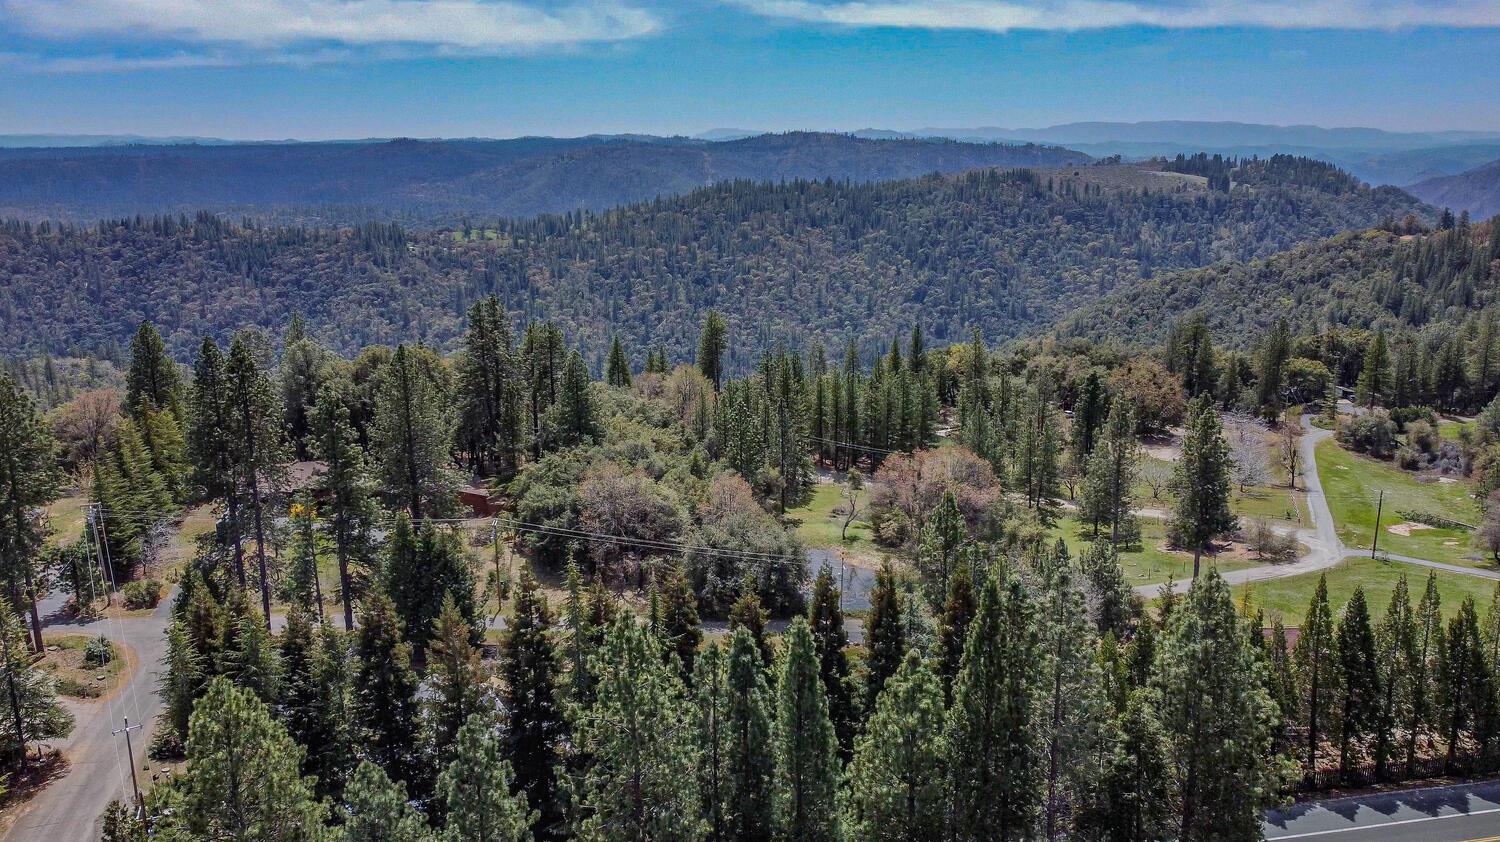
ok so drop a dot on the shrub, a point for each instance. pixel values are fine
(1374, 434)
(142, 593)
(98, 652)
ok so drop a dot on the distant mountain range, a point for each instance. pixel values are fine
(1477, 190)
(445, 181)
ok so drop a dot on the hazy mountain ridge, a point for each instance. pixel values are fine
(1476, 191)
(446, 181)
(1008, 251)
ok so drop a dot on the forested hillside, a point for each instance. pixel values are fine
(1476, 190)
(1376, 278)
(1005, 251)
(427, 182)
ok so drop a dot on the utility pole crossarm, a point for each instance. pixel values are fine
(140, 803)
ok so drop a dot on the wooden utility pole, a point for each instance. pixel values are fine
(1379, 504)
(140, 804)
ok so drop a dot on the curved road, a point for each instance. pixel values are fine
(68, 810)
(1467, 811)
(1324, 549)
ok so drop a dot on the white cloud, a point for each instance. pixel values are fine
(473, 26)
(1008, 15)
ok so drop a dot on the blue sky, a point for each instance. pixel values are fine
(498, 68)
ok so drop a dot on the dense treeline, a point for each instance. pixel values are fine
(800, 263)
(1396, 277)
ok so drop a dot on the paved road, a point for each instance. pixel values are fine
(68, 809)
(1324, 549)
(1438, 814)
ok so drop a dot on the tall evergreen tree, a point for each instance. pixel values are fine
(30, 710)
(576, 423)
(825, 617)
(712, 342)
(476, 788)
(898, 788)
(1465, 686)
(1139, 786)
(1425, 651)
(953, 626)
(1110, 480)
(1374, 384)
(487, 381)
(242, 779)
(1217, 715)
(1201, 481)
(152, 378)
(456, 686)
(384, 709)
(378, 809)
(28, 481)
(993, 755)
(618, 371)
(1359, 678)
(885, 634)
(346, 488)
(1317, 671)
(535, 723)
(807, 768)
(1271, 364)
(304, 368)
(939, 547)
(257, 444)
(681, 631)
(1395, 640)
(425, 567)
(212, 447)
(641, 783)
(748, 749)
(413, 433)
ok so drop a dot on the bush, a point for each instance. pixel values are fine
(142, 593)
(1268, 544)
(1374, 434)
(98, 652)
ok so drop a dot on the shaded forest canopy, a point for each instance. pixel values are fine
(1005, 251)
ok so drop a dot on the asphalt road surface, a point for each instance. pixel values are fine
(1457, 813)
(68, 810)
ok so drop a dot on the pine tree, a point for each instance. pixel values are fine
(1395, 639)
(748, 751)
(1426, 650)
(1109, 484)
(242, 779)
(28, 481)
(1216, 714)
(535, 724)
(1139, 787)
(314, 703)
(681, 630)
(1317, 672)
(1074, 714)
(31, 710)
(346, 487)
(256, 442)
(413, 433)
(641, 783)
(953, 627)
(425, 567)
(456, 687)
(939, 548)
(1375, 376)
(885, 634)
(807, 769)
(1465, 686)
(249, 656)
(1090, 409)
(1035, 472)
(211, 444)
(618, 371)
(898, 788)
(119, 824)
(1281, 681)
(993, 757)
(304, 368)
(476, 788)
(747, 614)
(152, 379)
(1272, 360)
(576, 423)
(384, 704)
(377, 808)
(1111, 598)
(542, 357)
(825, 617)
(712, 342)
(1359, 678)
(301, 585)
(1201, 482)
(710, 691)
(488, 388)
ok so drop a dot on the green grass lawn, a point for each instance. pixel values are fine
(819, 526)
(1271, 504)
(1351, 482)
(1149, 565)
(1448, 428)
(1289, 597)
(66, 516)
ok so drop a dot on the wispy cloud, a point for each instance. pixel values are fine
(1008, 15)
(216, 32)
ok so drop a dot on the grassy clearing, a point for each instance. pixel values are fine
(1279, 504)
(66, 516)
(1289, 597)
(1351, 483)
(819, 524)
(1153, 563)
(65, 661)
